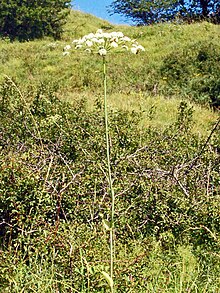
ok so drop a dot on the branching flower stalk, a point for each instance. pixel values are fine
(102, 43)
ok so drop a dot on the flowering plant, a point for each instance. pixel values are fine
(102, 43)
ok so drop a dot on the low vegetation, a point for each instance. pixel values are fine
(164, 135)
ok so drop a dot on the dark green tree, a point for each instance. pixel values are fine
(31, 19)
(148, 11)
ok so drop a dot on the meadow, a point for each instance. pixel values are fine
(163, 111)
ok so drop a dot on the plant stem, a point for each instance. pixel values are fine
(109, 176)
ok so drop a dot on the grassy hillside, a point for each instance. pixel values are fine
(164, 148)
(31, 64)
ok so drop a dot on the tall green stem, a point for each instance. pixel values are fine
(109, 176)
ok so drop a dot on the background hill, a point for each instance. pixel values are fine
(170, 67)
(164, 141)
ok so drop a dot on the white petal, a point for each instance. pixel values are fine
(94, 40)
(81, 41)
(99, 31)
(99, 35)
(114, 45)
(134, 50)
(107, 35)
(114, 34)
(141, 48)
(101, 41)
(89, 43)
(90, 36)
(120, 35)
(102, 52)
(67, 47)
(125, 39)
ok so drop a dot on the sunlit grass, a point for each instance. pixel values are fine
(157, 111)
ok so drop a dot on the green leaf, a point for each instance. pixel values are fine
(108, 279)
(106, 224)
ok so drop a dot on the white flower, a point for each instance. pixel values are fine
(101, 41)
(75, 41)
(99, 31)
(95, 40)
(67, 47)
(102, 52)
(107, 35)
(114, 45)
(88, 50)
(81, 41)
(125, 39)
(117, 35)
(120, 35)
(66, 53)
(134, 50)
(89, 43)
(89, 36)
(114, 34)
(98, 35)
(140, 48)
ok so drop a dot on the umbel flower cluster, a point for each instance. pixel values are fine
(102, 42)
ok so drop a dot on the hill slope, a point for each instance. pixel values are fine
(39, 62)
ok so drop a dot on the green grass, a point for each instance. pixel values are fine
(141, 266)
(157, 111)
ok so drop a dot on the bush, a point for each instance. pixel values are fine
(54, 190)
(28, 20)
(194, 72)
(161, 185)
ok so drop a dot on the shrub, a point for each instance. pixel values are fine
(53, 160)
(194, 72)
(54, 190)
(27, 20)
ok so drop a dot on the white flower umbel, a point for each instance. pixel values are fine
(102, 43)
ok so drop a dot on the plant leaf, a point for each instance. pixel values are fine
(106, 224)
(108, 279)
